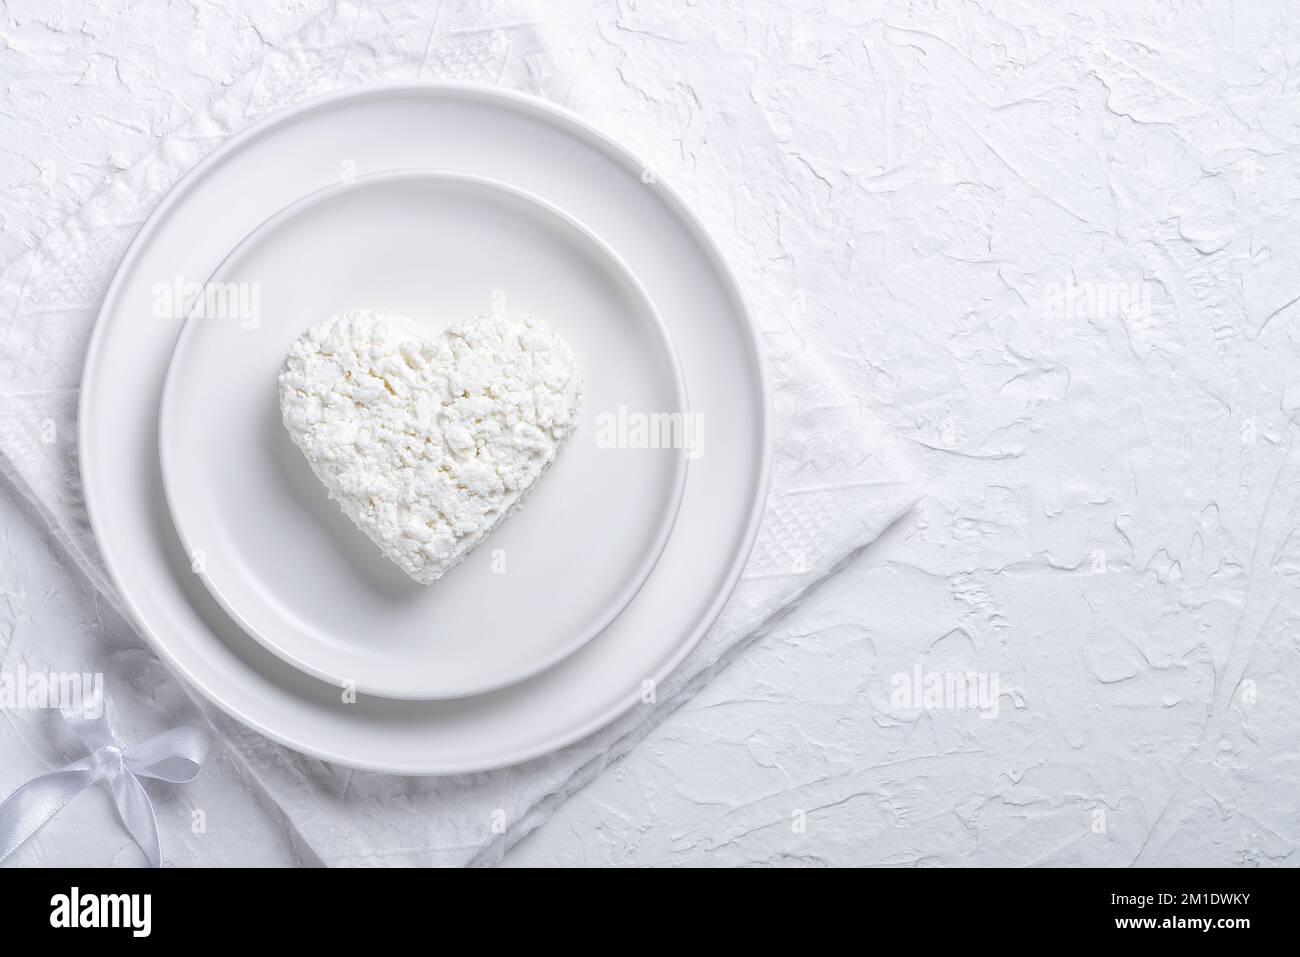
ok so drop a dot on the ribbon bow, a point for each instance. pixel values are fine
(174, 756)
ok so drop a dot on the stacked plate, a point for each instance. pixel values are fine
(437, 202)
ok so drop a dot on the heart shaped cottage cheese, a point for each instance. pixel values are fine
(428, 443)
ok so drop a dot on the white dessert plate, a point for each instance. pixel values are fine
(531, 145)
(283, 559)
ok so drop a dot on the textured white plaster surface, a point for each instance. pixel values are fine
(1051, 247)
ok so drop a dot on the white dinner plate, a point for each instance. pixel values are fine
(282, 558)
(528, 144)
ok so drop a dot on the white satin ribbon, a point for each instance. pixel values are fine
(174, 756)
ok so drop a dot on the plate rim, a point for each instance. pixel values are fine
(610, 610)
(536, 105)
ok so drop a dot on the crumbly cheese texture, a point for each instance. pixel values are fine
(428, 443)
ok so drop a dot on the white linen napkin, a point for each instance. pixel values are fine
(837, 481)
